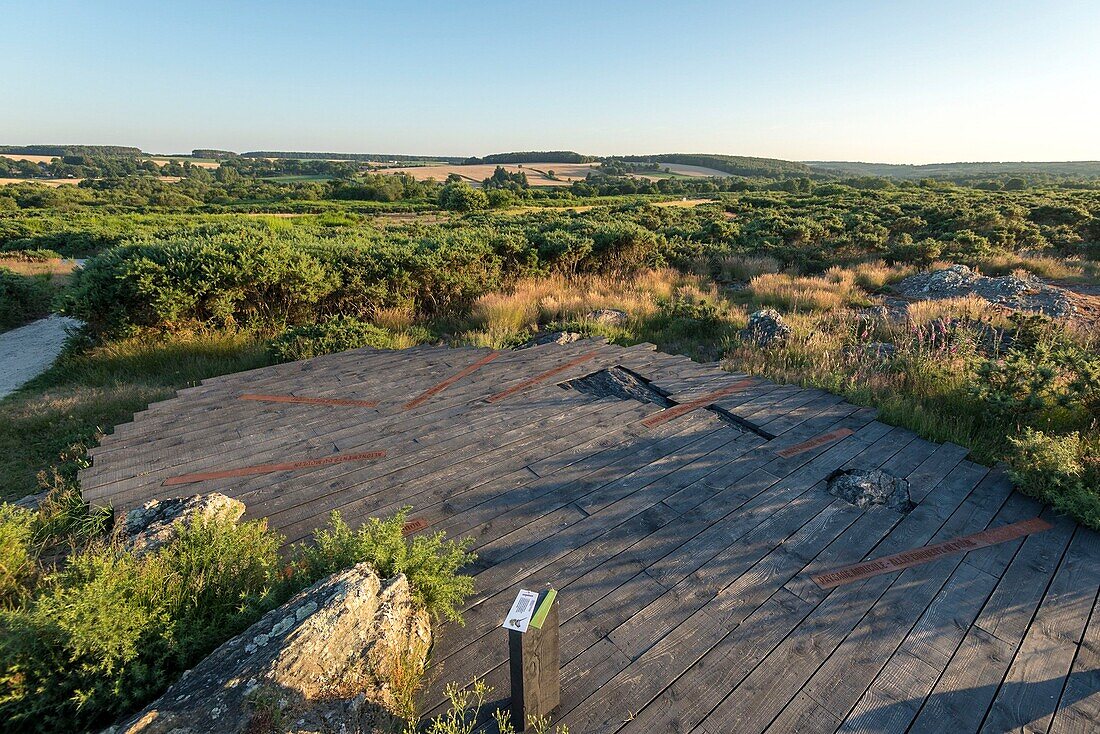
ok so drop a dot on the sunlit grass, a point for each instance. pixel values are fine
(86, 394)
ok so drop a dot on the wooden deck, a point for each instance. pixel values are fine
(682, 547)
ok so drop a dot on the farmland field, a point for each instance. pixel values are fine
(200, 162)
(565, 173)
(43, 181)
(537, 173)
(29, 158)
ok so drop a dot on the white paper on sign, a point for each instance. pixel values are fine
(519, 616)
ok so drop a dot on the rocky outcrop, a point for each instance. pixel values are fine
(609, 316)
(326, 661)
(619, 383)
(766, 327)
(866, 487)
(1019, 293)
(553, 337)
(150, 526)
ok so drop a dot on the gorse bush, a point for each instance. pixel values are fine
(17, 559)
(106, 631)
(109, 630)
(339, 335)
(23, 298)
(1045, 377)
(430, 562)
(1062, 470)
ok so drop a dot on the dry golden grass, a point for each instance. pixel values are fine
(534, 303)
(834, 290)
(875, 275)
(967, 308)
(31, 158)
(43, 181)
(201, 164)
(747, 267)
(395, 319)
(1041, 265)
(694, 171)
(58, 271)
(564, 173)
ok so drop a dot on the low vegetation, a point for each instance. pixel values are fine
(467, 711)
(23, 298)
(101, 632)
(197, 278)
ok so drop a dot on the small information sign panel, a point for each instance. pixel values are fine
(519, 616)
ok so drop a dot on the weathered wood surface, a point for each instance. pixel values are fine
(683, 541)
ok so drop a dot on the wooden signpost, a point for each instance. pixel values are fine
(534, 656)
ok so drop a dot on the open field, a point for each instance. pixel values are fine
(564, 173)
(43, 181)
(200, 162)
(31, 158)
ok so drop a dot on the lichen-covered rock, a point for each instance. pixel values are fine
(554, 337)
(325, 661)
(619, 383)
(867, 487)
(1018, 292)
(609, 316)
(150, 526)
(766, 327)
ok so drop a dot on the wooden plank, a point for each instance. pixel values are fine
(633, 688)
(1078, 709)
(775, 682)
(541, 377)
(816, 441)
(929, 553)
(962, 696)
(894, 697)
(843, 679)
(354, 436)
(679, 410)
(1032, 688)
(441, 386)
(245, 471)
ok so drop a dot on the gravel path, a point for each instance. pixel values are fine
(30, 350)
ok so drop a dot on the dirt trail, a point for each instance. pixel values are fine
(30, 350)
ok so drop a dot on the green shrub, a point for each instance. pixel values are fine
(23, 298)
(17, 558)
(464, 714)
(459, 196)
(430, 562)
(1063, 471)
(109, 630)
(257, 281)
(339, 335)
(688, 326)
(1045, 378)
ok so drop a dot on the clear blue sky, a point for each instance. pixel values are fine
(848, 80)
